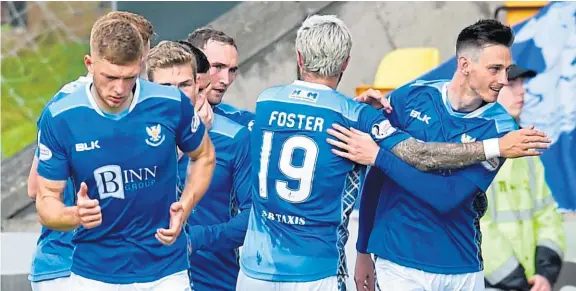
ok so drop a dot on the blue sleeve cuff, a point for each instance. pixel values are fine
(362, 247)
(195, 235)
(51, 175)
(193, 141)
(382, 160)
(390, 142)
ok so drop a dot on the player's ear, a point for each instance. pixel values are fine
(346, 64)
(463, 65)
(88, 62)
(299, 59)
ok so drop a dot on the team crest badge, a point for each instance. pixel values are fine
(155, 135)
(467, 139)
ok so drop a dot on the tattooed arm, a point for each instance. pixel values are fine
(361, 148)
(424, 156)
(432, 156)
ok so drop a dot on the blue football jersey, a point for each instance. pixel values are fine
(303, 193)
(217, 226)
(240, 116)
(129, 163)
(53, 255)
(408, 231)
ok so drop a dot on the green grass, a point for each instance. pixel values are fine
(29, 80)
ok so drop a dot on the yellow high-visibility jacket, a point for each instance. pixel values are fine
(522, 232)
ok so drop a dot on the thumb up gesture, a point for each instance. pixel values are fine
(88, 210)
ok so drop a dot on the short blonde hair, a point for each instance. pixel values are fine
(169, 54)
(324, 42)
(144, 26)
(116, 41)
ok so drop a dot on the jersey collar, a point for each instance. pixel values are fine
(311, 85)
(97, 108)
(473, 114)
(85, 79)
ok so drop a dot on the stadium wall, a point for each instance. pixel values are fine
(267, 55)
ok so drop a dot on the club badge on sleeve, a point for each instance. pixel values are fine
(382, 130)
(195, 123)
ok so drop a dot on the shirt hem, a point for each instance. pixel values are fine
(48, 276)
(445, 270)
(128, 278)
(285, 277)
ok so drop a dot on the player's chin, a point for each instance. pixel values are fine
(491, 96)
(215, 99)
(114, 102)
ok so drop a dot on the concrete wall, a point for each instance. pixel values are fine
(175, 20)
(267, 55)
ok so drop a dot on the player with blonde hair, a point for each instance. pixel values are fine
(50, 268)
(127, 216)
(218, 225)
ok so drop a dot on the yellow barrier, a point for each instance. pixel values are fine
(518, 11)
(402, 66)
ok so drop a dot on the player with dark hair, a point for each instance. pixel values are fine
(202, 66)
(304, 191)
(203, 107)
(426, 234)
(222, 53)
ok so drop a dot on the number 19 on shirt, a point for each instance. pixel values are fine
(303, 174)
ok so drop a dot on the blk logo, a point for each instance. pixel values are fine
(418, 115)
(81, 147)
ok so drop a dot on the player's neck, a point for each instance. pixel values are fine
(330, 82)
(461, 98)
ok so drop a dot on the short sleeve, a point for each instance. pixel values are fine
(245, 118)
(52, 155)
(242, 117)
(191, 130)
(379, 127)
(398, 102)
